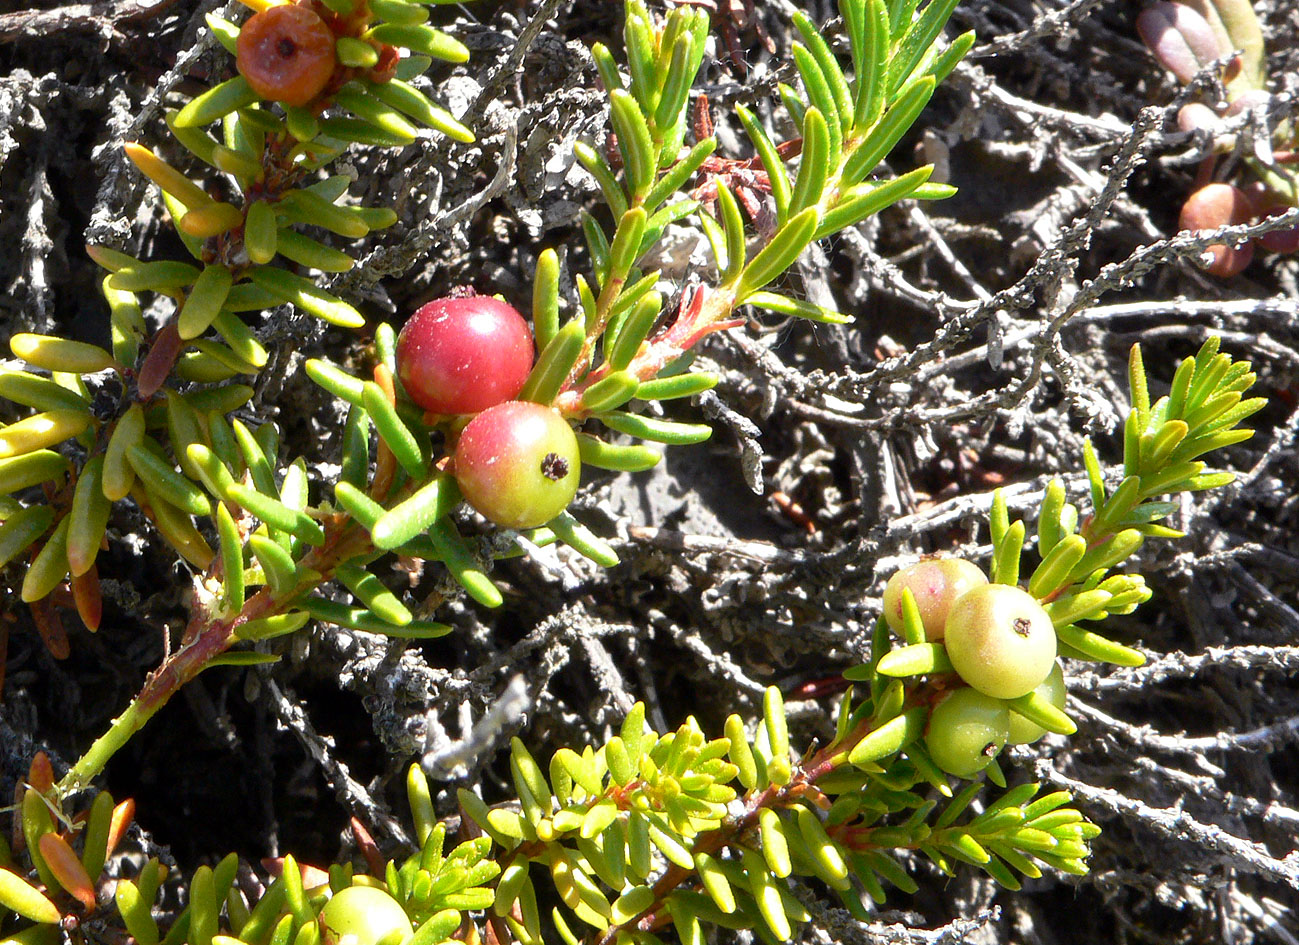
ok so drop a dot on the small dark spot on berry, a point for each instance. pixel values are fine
(989, 750)
(1022, 626)
(286, 47)
(554, 467)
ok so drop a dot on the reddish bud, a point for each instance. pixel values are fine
(67, 869)
(88, 598)
(1181, 39)
(50, 626)
(123, 816)
(369, 849)
(40, 773)
(160, 360)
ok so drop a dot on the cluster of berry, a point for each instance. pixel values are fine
(515, 461)
(1001, 644)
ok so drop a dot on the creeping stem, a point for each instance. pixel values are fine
(206, 639)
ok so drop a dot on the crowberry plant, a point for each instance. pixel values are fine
(647, 833)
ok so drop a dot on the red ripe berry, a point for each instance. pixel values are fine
(286, 53)
(517, 463)
(1280, 241)
(464, 355)
(1210, 207)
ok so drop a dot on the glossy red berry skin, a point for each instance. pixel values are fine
(517, 463)
(457, 356)
(287, 54)
(935, 584)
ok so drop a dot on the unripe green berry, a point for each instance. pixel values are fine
(1022, 731)
(364, 915)
(1000, 640)
(936, 584)
(966, 731)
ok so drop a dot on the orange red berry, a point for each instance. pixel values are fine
(287, 54)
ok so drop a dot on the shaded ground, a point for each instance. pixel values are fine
(991, 334)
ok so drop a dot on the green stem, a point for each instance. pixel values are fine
(175, 671)
(206, 639)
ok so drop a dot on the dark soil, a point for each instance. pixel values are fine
(759, 557)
